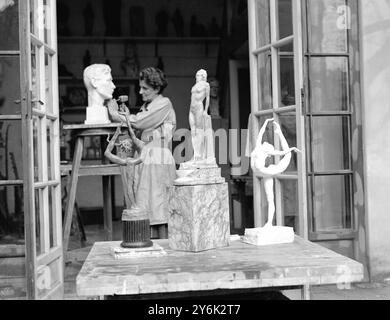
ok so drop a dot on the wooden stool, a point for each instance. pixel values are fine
(77, 170)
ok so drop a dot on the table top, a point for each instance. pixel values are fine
(239, 266)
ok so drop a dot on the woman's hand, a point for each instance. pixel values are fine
(112, 104)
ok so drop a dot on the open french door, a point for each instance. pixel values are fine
(276, 65)
(41, 150)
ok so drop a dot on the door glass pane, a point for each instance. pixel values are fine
(48, 84)
(287, 81)
(50, 150)
(38, 231)
(332, 207)
(328, 22)
(37, 146)
(9, 25)
(285, 18)
(11, 215)
(290, 212)
(288, 125)
(9, 85)
(263, 22)
(34, 17)
(329, 84)
(11, 166)
(47, 23)
(52, 227)
(265, 81)
(34, 75)
(330, 144)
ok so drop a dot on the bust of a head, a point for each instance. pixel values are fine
(98, 82)
(214, 88)
(201, 75)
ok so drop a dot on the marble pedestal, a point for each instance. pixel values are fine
(199, 217)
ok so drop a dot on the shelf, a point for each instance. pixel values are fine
(116, 78)
(139, 39)
(81, 109)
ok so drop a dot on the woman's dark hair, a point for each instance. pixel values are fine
(154, 78)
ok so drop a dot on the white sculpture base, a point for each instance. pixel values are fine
(269, 235)
(97, 115)
(125, 253)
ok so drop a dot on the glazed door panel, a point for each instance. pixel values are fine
(40, 122)
(275, 42)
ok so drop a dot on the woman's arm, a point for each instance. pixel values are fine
(207, 98)
(284, 152)
(151, 118)
(113, 110)
(262, 130)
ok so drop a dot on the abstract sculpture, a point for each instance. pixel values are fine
(270, 234)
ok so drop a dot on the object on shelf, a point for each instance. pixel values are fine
(160, 64)
(130, 65)
(214, 98)
(87, 59)
(112, 17)
(89, 19)
(76, 96)
(214, 29)
(63, 71)
(197, 29)
(162, 19)
(137, 21)
(178, 23)
(63, 19)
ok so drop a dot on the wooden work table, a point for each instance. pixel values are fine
(240, 266)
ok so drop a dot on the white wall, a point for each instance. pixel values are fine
(375, 42)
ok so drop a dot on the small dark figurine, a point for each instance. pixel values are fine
(162, 19)
(137, 21)
(63, 19)
(214, 29)
(89, 19)
(196, 29)
(178, 23)
(160, 64)
(112, 17)
(63, 71)
(87, 59)
(130, 64)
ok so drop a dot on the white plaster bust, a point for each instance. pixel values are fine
(98, 82)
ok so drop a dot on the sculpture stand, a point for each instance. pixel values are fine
(269, 235)
(199, 209)
(136, 229)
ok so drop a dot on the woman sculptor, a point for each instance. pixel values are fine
(156, 123)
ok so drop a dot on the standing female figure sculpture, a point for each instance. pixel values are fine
(259, 156)
(200, 121)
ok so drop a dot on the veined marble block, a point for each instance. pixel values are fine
(199, 217)
(211, 175)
